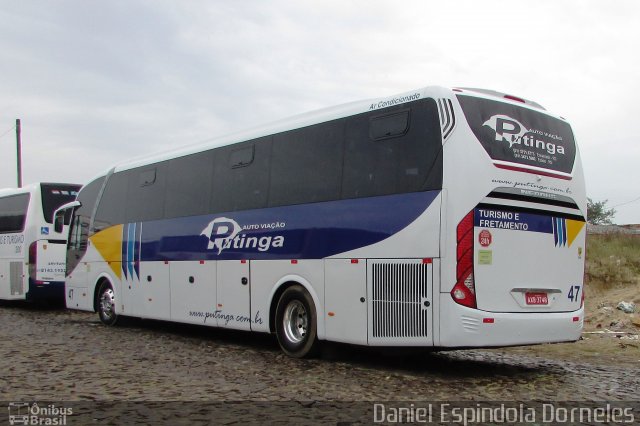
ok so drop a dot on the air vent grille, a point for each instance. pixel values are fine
(447, 117)
(400, 300)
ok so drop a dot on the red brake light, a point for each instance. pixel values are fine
(515, 98)
(464, 292)
(33, 259)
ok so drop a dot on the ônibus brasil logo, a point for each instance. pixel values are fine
(512, 131)
(225, 233)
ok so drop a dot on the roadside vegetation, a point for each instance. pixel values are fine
(613, 261)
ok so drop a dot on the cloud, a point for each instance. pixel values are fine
(98, 83)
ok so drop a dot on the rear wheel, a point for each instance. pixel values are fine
(107, 304)
(296, 322)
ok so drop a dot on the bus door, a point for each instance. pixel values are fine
(233, 295)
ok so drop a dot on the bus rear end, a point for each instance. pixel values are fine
(517, 230)
(47, 250)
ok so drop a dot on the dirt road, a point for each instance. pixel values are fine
(60, 355)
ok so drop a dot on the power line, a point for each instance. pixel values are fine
(628, 202)
(11, 129)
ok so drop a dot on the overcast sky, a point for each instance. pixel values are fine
(96, 83)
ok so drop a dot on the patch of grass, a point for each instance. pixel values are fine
(613, 260)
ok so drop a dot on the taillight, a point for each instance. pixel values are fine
(582, 298)
(515, 98)
(33, 259)
(464, 292)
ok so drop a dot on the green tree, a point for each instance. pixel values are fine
(598, 213)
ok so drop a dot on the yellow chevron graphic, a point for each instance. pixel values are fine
(109, 244)
(573, 229)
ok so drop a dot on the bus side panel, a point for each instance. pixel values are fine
(233, 296)
(193, 292)
(268, 275)
(76, 291)
(153, 280)
(82, 279)
(346, 300)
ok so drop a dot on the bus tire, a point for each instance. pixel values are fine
(107, 304)
(296, 323)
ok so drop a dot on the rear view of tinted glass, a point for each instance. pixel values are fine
(55, 195)
(13, 212)
(520, 135)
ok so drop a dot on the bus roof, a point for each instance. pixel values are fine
(319, 116)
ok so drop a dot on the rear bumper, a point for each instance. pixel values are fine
(465, 327)
(50, 290)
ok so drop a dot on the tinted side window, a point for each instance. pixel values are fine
(13, 213)
(240, 180)
(145, 196)
(111, 206)
(189, 185)
(383, 156)
(306, 165)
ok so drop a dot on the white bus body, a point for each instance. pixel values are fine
(437, 218)
(32, 253)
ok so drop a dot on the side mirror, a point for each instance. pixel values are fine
(58, 221)
(62, 216)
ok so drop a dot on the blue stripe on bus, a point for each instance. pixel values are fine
(306, 231)
(125, 230)
(136, 252)
(131, 239)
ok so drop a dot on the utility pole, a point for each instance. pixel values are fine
(19, 148)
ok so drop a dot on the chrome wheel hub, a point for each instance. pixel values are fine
(107, 304)
(295, 322)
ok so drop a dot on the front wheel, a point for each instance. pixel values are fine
(107, 304)
(296, 321)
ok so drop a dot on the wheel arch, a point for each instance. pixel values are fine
(101, 279)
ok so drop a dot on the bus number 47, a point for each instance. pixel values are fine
(574, 292)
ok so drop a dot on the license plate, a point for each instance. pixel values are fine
(536, 298)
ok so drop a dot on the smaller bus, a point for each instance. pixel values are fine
(32, 250)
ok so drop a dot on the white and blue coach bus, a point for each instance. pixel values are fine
(32, 252)
(435, 218)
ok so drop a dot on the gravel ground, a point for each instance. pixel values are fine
(60, 355)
